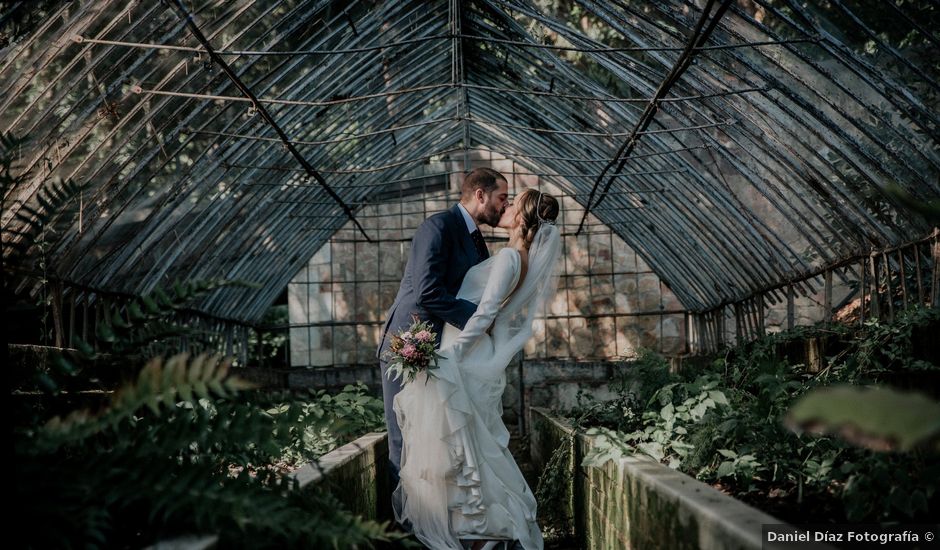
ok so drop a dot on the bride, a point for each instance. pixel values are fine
(458, 480)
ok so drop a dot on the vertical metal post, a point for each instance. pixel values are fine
(920, 275)
(260, 345)
(522, 409)
(721, 327)
(760, 315)
(308, 333)
(332, 308)
(702, 336)
(58, 336)
(457, 78)
(875, 289)
(688, 333)
(378, 277)
(935, 282)
(636, 290)
(613, 280)
(99, 304)
(699, 341)
(355, 300)
(71, 332)
(827, 295)
(85, 317)
(890, 289)
(229, 345)
(790, 307)
(861, 309)
(703, 326)
(590, 278)
(712, 332)
(287, 353)
(745, 321)
(903, 275)
(661, 308)
(752, 318)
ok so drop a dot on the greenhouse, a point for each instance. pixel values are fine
(225, 223)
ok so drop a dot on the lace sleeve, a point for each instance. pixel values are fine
(502, 280)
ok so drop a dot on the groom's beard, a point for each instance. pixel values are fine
(492, 217)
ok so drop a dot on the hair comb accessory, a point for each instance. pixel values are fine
(538, 213)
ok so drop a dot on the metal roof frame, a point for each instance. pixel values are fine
(779, 119)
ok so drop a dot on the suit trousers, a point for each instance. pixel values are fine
(390, 389)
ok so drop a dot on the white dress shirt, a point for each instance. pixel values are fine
(471, 225)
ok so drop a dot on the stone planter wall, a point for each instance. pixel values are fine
(635, 502)
(356, 473)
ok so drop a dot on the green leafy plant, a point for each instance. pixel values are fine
(552, 490)
(724, 423)
(327, 421)
(167, 456)
(128, 441)
(874, 417)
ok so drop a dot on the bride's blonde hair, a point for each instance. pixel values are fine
(536, 208)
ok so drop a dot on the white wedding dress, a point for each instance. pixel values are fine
(458, 478)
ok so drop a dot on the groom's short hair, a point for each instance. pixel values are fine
(480, 178)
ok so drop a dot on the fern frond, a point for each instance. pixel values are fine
(9, 143)
(157, 386)
(52, 199)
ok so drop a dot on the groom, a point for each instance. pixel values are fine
(445, 247)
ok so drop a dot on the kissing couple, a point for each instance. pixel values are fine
(456, 485)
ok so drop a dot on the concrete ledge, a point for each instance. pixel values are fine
(356, 474)
(636, 502)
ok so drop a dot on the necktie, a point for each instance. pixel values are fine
(480, 244)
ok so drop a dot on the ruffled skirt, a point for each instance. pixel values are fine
(458, 478)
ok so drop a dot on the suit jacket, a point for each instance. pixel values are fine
(441, 254)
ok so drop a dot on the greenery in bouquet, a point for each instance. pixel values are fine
(412, 352)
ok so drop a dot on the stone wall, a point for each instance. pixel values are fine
(635, 502)
(356, 474)
(608, 303)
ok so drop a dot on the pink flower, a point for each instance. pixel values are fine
(423, 336)
(409, 351)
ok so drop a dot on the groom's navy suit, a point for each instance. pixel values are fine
(442, 252)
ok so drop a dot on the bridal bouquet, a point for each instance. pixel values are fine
(412, 351)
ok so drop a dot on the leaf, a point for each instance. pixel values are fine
(134, 311)
(718, 397)
(105, 333)
(194, 373)
(653, 450)
(700, 410)
(725, 469)
(118, 321)
(162, 299)
(877, 418)
(150, 305)
(727, 453)
(83, 347)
